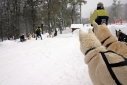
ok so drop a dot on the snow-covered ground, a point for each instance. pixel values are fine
(51, 61)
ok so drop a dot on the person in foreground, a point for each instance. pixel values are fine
(100, 15)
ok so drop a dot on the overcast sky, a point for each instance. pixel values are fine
(92, 4)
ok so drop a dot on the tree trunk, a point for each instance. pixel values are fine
(1, 30)
(49, 29)
(72, 20)
(80, 13)
(33, 14)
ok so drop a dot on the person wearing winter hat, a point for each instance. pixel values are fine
(100, 4)
(100, 15)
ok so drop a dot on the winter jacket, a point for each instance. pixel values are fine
(100, 16)
(38, 29)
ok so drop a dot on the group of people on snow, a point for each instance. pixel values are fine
(100, 16)
(38, 31)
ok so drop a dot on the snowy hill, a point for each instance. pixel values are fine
(51, 61)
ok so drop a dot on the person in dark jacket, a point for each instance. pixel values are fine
(22, 38)
(38, 32)
(55, 34)
(100, 15)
